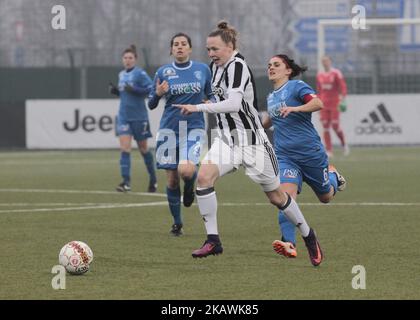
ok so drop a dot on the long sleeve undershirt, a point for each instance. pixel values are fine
(232, 104)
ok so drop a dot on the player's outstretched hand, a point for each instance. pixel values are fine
(186, 109)
(285, 110)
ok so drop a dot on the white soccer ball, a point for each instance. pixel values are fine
(76, 256)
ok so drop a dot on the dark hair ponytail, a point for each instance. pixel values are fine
(132, 49)
(290, 63)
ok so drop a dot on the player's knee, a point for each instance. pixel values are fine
(125, 146)
(325, 198)
(143, 147)
(276, 202)
(336, 127)
(204, 180)
(186, 171)
(326, 125)
(277, 198)
(173, 182)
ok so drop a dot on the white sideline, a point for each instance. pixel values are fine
(34, 162)
(91, 206)
(129, 205)
(83, 191)
(52, 204)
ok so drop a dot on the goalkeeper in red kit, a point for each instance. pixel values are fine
(332, 90)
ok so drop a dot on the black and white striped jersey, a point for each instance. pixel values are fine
(244, 127)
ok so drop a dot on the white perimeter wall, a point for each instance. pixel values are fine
(90, 124)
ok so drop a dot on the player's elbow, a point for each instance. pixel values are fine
(265, 119)
(319, 104)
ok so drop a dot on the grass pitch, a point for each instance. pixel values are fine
(50, 198)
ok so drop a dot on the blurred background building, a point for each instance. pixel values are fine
(97, 31)
(38, 62)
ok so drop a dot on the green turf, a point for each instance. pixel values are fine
(135, 258)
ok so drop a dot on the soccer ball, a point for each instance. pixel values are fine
(76, 256)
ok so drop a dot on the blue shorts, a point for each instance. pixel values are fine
(316, 177)
(170, 150)
(139, 129)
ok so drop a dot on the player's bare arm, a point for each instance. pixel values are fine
(312, 106)
(266, 120)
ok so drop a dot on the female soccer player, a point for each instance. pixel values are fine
(180, 137)
(241, 141)
(133, 120)
(300, 153)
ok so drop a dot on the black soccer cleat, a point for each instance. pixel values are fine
(152, 187)
(176, 230)
(123, 187)
(315, 253)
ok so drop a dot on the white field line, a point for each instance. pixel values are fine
(27, 162)
(108, 206)
(82, 192)
(162, 195)
(164, 203)
(334, 204)
(55, 204)
(92, 206)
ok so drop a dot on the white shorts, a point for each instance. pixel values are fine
(259, 161)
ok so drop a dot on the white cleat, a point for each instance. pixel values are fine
(340, 179)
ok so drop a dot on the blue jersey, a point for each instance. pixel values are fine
(132, 105)
(190, 84)
(295, 137)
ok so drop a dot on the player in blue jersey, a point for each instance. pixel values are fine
(298, 147)
(180, 137)
(133, 120)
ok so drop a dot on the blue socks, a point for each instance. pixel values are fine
(125, 166)
(287, 229)
(148, 161)
(174, 200)
(333, 180)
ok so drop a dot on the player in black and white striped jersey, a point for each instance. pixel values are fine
(236, 78)
(241, 141)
